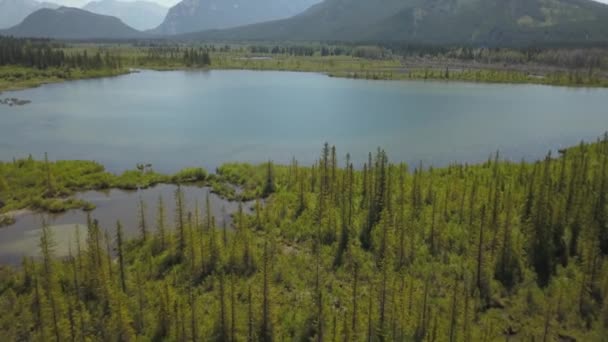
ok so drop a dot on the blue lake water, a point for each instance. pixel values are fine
(176, 119)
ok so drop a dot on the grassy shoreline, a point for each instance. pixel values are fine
(40, 185)
(14, 78)
(19, 78)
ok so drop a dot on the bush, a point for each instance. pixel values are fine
(190, 175)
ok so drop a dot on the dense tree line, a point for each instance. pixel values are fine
(175, 55)
(43, 54)
(386, 252)
(564, 57)
(301, 50)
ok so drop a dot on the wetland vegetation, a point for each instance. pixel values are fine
(183, 198)
(494, 251)
(28, 63)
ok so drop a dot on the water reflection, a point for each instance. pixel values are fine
(22, 238)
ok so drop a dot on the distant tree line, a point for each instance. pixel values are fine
(301, 50)
(43, 54)
(174, 54)
(575, 57)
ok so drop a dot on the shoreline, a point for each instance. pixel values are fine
(10, 217)
(473, 76)
(25, 84)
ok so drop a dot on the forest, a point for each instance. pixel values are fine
(27, 63)
(497, 251)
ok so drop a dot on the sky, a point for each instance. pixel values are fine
(168, 3)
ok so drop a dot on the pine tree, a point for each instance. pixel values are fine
(232, 310)
(160, 224)
(121, 256)
(250, 320)
(47, 245)
(50, 179)
(221, 333)
(143, 228)
(179, 221)
(453, 313)
(269, 187)
(508, 269)
(355, 300)
(266, 334)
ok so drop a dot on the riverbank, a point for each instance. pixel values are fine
(10, 217)
(420, 69)
(45, 186)
(17, 77)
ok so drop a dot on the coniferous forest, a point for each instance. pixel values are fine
(339, 252)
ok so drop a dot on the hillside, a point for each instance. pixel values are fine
(141, 15)
(12, 12)
(198, 15)
(492, 22)
(71, 23)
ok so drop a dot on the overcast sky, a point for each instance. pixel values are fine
(167, 3)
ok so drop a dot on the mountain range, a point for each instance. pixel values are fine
(476, 22)
(141, 15)
(200, 15)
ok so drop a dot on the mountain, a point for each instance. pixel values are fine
(479, 22)
(71, 23)
(141, 15)
(199, 15)
(13, 11)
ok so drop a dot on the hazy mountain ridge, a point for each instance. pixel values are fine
(198, 15)
(12, 12)
(141, 15)
(72, 23)
(435, 21)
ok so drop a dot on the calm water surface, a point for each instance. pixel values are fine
(23, 237)
(183, 118)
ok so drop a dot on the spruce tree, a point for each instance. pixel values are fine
(121, 256)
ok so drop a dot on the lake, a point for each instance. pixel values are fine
(176, 119)
(23, 237)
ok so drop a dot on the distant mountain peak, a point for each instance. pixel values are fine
(72, 23)
(197, 15)
(142, 15)
(12, 12)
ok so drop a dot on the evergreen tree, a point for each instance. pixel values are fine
(179, 221)
(121, 257)
(160, 224)
(143, 228)
(269, 186)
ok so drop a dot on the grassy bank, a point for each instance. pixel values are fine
(566, 68)
(50, 186)
(557, 78)
(19, 77)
